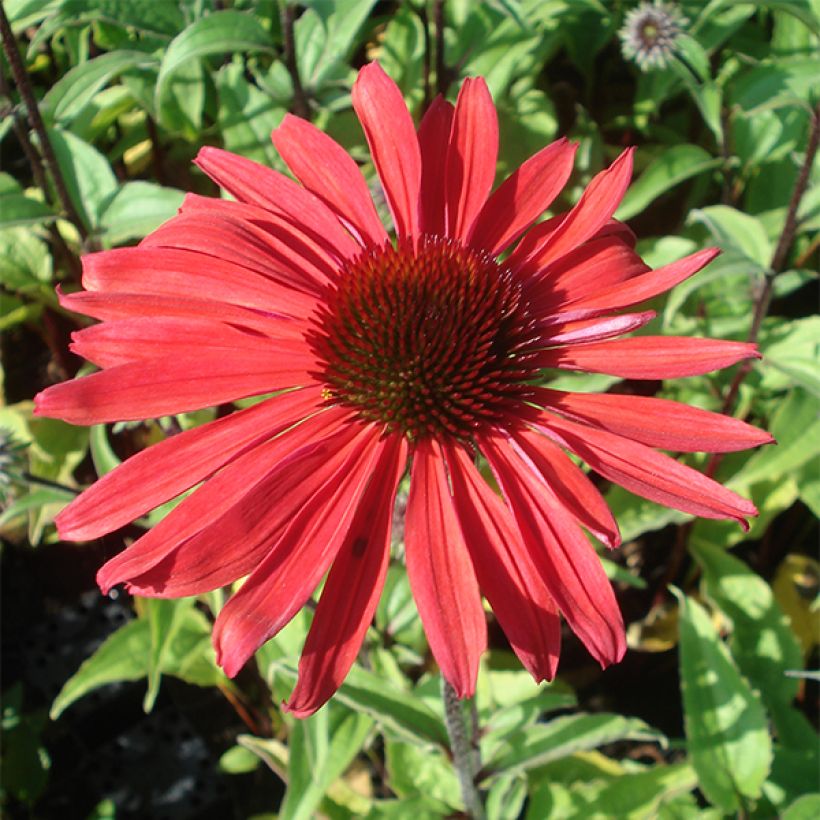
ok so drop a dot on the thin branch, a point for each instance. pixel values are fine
(300, 102)
(427, 58)
(442, 75)
(465, 758)
(23, 83)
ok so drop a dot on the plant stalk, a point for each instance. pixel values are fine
(464, 748)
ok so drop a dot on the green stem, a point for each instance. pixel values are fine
(466, 759)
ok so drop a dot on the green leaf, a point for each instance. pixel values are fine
(732, 228)
(342, 734)
(762, 643)
(102, 454)
(136, 209)
(804, 808)
(246, 116)
(218, 33)
(181, 106)
(790, 354)
(536, 745)
(121, 657)
(400, 714)
(726, 728)
(87, 173)
(26, 763)
(416, 772)
(238, 760)
(165, 618)
(75, 89)
(18, 209)
(506, 798)
(673, 166)
(25, 261)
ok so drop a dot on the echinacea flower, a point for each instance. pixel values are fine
(650, 34)
(426, 350)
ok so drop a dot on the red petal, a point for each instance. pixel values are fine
(646, 473)
(434, 133)
(176, 464)
(592, 212)
(148, 389)
(178, 273)
(571, 486)
(441, 574)
(281, 584)
(649, 357)
(113, 307)
(293, 455)
(394, 147)
(567, 562)
(582, 273)
(506, 574)
(656, 422)
(230, 237)
(251, 182)
(523, 197)
(352, 589)
(326, 169)
(159, 337)
(471, 157)
(639, 288)
(593, 330)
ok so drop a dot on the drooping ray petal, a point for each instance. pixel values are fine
(233, 544)
(649, 357)
(227, 236)
(592, 212)
(133, 340)
(251, 182)
(655, 422)
(434, 132)
(471, 157)
(391, 135)
(639, 288)
(567, 562)
(523, 197)
(329, 172)
(593, 330)
(113, 307)
(505, 572)
(573, 489)
(174, 272)
(283, 581)
(148, 389)
(220, 493)
(581, 273)
(174, 465)
(290, 239)
(441, 574)
(647, 473)
(352, 589)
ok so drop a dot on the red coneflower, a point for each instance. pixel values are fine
(427, 350)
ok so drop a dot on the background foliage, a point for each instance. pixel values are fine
(711, 713)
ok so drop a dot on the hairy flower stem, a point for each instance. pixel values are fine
(466, 758)
(23, 83)
(762, 303)
(300, 102)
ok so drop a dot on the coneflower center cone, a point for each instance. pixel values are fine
(434, 339)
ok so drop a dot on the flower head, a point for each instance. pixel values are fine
(650, 32)
(425, 352)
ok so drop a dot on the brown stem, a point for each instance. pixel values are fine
(23, 83)
(300, 102)
(442, 75)
(427, 58)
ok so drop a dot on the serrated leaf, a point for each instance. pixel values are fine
(75, 89)
(136, 209)
(732, 228)
(87, 173)
(218, 33)
(536, 745)
(726, 727)
(673, 166)
(762, 643)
